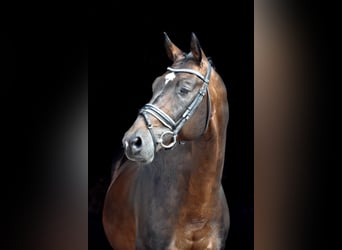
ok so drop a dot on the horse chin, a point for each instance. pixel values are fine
(142, 158)
(142, 161)
(147, 161)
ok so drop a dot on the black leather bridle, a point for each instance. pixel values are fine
(167, 121)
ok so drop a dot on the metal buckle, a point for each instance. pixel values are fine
(172, 143)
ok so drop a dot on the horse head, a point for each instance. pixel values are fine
(180, 107)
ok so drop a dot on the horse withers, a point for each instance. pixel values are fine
(166, 191)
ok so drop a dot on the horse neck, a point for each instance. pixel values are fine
(208, 153)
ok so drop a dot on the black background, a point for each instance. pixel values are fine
(124, 61)
(49, 53)
(50, 50)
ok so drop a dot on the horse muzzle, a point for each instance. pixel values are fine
(138, 145)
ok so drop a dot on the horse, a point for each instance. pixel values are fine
(166, 190)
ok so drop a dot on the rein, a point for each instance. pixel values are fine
(167, 121)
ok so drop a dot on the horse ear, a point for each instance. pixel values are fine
(196, 49)
(173, 52)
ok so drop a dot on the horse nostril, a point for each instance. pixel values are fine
(136, 144)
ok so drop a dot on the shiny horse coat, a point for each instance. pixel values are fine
(166, 190)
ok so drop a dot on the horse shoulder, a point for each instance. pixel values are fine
(118, 214)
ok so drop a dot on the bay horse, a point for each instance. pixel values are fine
(166, 191)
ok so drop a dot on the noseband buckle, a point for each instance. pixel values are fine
(172, 143)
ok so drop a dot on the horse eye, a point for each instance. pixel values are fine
(184, 91)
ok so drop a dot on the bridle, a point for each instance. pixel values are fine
(167, 121)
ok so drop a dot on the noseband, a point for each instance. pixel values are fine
(167, 121)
